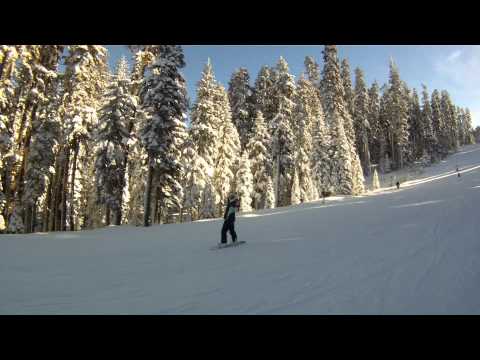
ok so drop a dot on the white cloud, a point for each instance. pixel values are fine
(462, 68)
(454, 56)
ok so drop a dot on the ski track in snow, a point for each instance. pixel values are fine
(409, 251)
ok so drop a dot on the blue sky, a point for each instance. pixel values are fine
(454, 68)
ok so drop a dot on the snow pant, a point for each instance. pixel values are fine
(229, 225)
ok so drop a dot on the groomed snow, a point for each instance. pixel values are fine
(410, 251)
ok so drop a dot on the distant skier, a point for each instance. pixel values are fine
(398, 185)
(233, 205)
(458, 172)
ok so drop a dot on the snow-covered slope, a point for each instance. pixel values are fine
(408, 251)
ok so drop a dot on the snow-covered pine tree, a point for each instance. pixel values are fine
(137, 167)
(37, 67)
(141, 60)
(428, 135)
(296, 191)
(42, 96)
(244, 183)
(322, 165)
(41, 158)
(164, 99)
(282, 129)
(8, 59)
(376, 133)
(263, 93)
(348, 96)
(83, 84)
(241, 104)
(260, 161)
(385, 128)
(342, 169)
(398, 116)
(116, 118)
(195, 179)
(360, 120)
(208, 201)
(415, 129)
(449, 120)
(345, 162)
(312, 69)
(461, 125)
(470, 139)
(228, 152)
(306, 117)
(206, 119)
(269, 195)
(441, 148)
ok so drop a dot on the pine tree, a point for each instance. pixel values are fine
(428, 135)
(163, 96)
(322, 165)
(195, 179)
(398, 117)
(8, 60)
(312, 70)
(228, 152)
(241, 103)
(348, 96)
(206, 119)
(346, 166)
(282, 131)
(441, 148)
(34, 72)
(296, 191)
(260, 161)
(360, 120)
(376, 133)
(113, 136)
(415, 127)
(385, 131)
(263, 90)
(244, 184)
(449, 120)
(342, 163)
(208, 201)
(270, 195)
(468, 128)
(305, 116)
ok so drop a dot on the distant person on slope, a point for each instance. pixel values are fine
(398, 185)
(233, 205)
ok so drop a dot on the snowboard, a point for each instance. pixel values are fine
(223, 246)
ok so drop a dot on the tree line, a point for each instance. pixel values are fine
(83, 147)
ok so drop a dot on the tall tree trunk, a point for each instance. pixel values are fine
(28, 219)
(76, 147)
(118, 216)
(107, 215)
(34, 216)
(63, 217)
(155, 206)
(46, 207)
(148, 196)
(277, 180)
(56, 191)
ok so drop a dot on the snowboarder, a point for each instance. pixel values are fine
(398, 185)
(233, 205)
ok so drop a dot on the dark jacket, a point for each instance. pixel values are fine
(234, 203)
